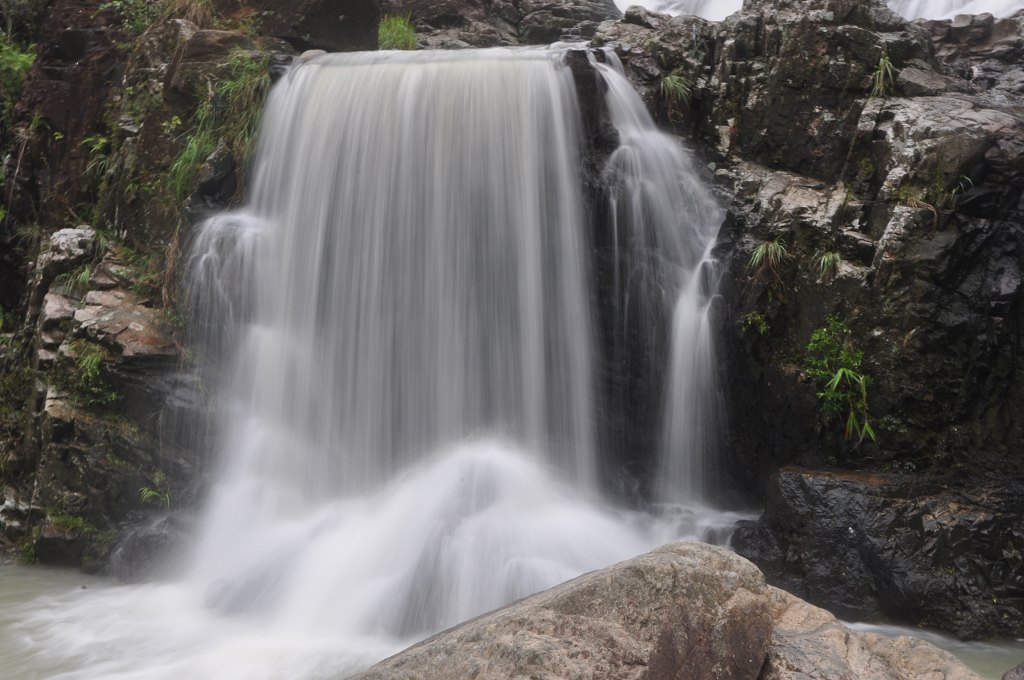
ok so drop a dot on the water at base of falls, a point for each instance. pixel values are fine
(482, 517)
(716, 10)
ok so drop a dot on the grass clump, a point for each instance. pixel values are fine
(230, 113)
(767, 256)
(883, 80)
(828, 264)
(15, 61)
(834, 365)
(676, 90)
(396, 33)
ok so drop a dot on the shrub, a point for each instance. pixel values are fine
(834, 365)
(396, 33)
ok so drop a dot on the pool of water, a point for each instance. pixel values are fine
(42, 637)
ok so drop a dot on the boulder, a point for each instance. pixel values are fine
(683, 606)
(1016, 673)
(810, 644)
(683, 611)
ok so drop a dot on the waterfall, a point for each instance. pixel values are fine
(716, 10)
(399, 333)
(666, 214)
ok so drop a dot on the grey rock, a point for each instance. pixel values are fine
(916, 82)
(684, 606)
(1016, 673)
(810, 644)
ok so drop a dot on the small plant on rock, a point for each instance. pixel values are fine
(157, 494)
(767, 256)
(883, 80)
(834, 365)
(676, 90)
(755, 320)
(396, 33)
(828, 264)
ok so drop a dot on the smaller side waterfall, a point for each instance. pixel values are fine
(663, 210)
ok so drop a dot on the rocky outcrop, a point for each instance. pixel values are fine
(475, 23)
(95, 455)
(684, 610)
(892, 546)
(331, 25)
(909, 189)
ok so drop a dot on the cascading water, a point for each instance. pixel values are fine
(652, 184)
(403, 317)
(716, 10)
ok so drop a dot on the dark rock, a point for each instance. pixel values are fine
(889, 546)
(150, 550)
(915, 82)
(332, 25)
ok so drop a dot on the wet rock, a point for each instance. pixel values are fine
(684, 610)
(454, 24)
(916, 82)
(810, 644)
(150, 550)
(332, 25)
(1015, 673)
(887, 546)
(683, 606)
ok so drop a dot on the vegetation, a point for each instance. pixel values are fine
(158, 494)
(71, 524)
(230, 114)
(828, 264)
(139, 15)
(676, 90)
(767, 255)
(396, 33)
(15, 62)
(85, 381)
(834, 365)
(755, 320)
(76, 281)
(883, 80)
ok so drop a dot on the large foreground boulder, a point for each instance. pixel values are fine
(683, 611)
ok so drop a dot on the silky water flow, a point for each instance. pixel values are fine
(403, 321)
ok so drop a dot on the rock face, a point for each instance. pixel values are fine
(489, 23)
(913, 189)
(682, 611)
(885, 545)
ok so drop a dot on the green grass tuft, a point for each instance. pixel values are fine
(396, 33)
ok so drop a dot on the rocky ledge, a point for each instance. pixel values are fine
(871, 546)
(683, 611)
